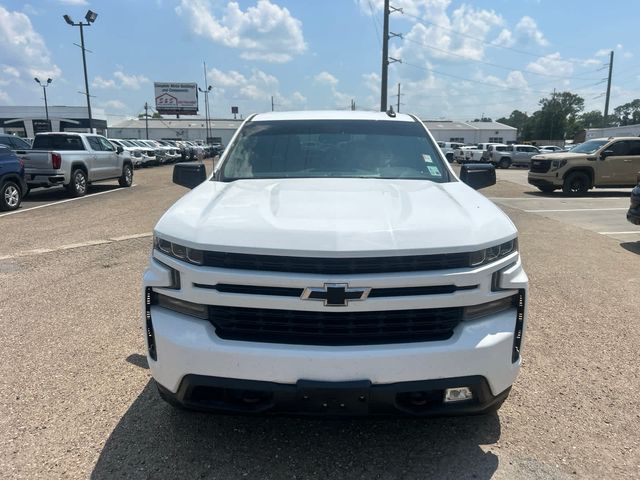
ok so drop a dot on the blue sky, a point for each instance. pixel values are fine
(460, 59)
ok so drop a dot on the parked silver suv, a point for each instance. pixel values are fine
(503, 156)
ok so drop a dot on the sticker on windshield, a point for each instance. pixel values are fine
(427, 158)
(435, 171)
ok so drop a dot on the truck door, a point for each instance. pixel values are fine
(632, 164)
(100, 166)
(111, 156)
(614, 163)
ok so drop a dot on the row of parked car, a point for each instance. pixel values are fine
(499, 154)
(144, 153)
(76, 160)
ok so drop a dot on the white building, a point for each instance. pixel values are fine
(176, 128)
(471, 132)
(626, 131)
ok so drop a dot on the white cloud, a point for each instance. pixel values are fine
(100, 82)
(77, 3)
(115, 105)
(325, 78)
(4, 97)
(10, 71)
(23, 48)
(120, 80)
(130, 81)
(264, 32)
(504, 39)
(453, 36)
(297, 97)
(552, 64)
(527, 28)
(258, 86)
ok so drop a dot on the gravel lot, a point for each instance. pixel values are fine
(77, 401)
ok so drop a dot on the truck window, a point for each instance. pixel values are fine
(95, 144)
(57, 142)
(105, 145)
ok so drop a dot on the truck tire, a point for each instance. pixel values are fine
(10, 196)
(449, 157)
(78, 185)
(126, 179)
(505, 162)
(576, 183)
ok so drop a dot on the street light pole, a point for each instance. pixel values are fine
(90, 17)
(44, 90)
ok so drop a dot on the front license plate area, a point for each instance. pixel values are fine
(334, 398)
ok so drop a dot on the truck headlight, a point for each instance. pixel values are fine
(491, 254)
(557, 164)
(180, 252)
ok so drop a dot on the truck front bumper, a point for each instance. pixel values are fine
(190, 355)
(542, 182)
(307, 397)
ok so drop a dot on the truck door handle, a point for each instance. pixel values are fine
(628, 160)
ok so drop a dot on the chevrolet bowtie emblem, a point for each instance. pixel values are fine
(335, 294)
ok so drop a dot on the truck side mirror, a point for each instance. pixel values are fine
(119, 149)
(189, 174)
(478, 175)
(606, 153)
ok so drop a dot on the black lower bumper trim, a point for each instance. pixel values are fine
(354, 398)
(538, 182)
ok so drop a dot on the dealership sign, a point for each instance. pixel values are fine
(176, 98)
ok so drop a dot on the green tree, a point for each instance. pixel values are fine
(627, 114)
(558, 112)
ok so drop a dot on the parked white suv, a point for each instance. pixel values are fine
(334, 264)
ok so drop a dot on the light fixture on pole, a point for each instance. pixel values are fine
(90, 17)
(44, 89)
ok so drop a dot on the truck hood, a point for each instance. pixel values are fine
(562, 156)
(335, 217)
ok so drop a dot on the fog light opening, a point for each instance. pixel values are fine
(457, 394)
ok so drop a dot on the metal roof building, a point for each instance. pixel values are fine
(177, 128)
(471, 132)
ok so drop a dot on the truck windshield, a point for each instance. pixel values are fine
(589, 147)
(333, 149)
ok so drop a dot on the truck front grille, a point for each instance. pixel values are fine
(540, 166)
(275, 263)
(329, 328)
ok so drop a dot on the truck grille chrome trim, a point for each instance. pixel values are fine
(374, 293)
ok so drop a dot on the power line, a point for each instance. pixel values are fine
(448, 52)
(375, 24)
(492, 44)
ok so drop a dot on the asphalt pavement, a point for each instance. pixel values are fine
(77, 400)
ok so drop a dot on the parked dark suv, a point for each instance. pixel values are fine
(12, 183)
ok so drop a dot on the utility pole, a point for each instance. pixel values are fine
(398, 109)
(206, 103)
(272, 104)
(146, 120)
(385, 58)
(606, 102)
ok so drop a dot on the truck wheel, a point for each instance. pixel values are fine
(78, 185)
(504, 163)
(576, 183)
(126, 179)
(449, 157)
(546, 189)
(10, 196)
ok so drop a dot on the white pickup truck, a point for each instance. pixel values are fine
(334, 264)
(74, 160)
(479, 154)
